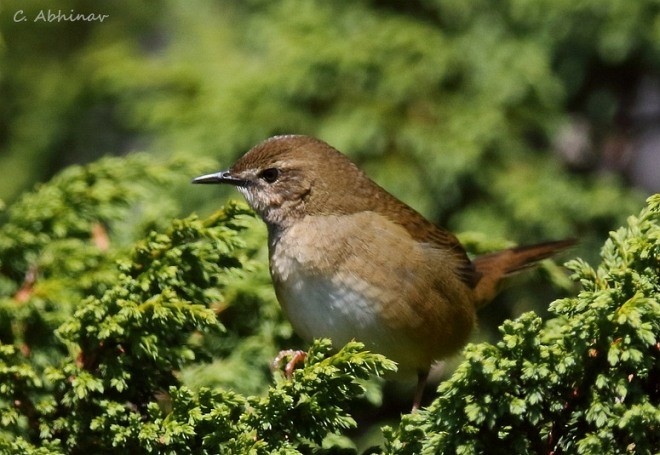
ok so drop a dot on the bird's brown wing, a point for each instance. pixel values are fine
(432, 234)
(424, 231)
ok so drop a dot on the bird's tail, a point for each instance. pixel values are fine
(496, 266)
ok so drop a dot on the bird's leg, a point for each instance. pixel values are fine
(422, 376)
(296, 356)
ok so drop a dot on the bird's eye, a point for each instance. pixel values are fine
(269, 175)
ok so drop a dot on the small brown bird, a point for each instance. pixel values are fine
(351, 261)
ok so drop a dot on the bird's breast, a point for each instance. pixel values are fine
(320, 295)
(362, 278)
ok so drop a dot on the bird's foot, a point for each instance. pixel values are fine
(422, 376)
(296, 357)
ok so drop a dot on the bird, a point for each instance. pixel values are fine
(350, 261)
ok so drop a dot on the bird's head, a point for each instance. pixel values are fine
(288, 177)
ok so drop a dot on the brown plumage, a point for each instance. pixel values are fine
(351, 261)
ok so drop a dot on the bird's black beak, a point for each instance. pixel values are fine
(220, 177)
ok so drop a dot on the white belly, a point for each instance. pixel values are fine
(330, 308)
(326, 297)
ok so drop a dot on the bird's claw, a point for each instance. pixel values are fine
(296, 357)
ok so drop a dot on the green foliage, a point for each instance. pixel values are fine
(107, 378)
(121, 329)
(447, 104)
(113, 374)
(452, 106)
(584, 382)
(59, 243)
(295, 416)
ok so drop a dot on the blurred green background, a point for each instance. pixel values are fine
(505, 121)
